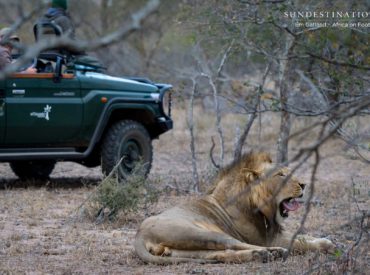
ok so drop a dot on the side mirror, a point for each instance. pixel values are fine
(58, 70)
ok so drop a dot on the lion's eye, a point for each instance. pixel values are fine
(281, 174)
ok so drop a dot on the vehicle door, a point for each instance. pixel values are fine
(41, 111)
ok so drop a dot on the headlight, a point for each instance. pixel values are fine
(166, 100)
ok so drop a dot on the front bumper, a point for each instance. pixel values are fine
(166, 124)
(162, 125)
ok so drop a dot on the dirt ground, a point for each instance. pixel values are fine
(42, 233)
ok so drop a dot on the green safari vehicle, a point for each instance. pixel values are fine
(71, 111)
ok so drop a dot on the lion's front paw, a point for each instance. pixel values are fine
(325, 245)
(270, 254)
(278, 252)
(261, 255)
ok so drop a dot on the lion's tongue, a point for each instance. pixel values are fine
(292, 205)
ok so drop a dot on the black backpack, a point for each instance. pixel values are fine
(45, 27)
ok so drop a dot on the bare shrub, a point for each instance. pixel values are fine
(113, 197)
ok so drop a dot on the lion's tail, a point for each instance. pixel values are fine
(147, 257)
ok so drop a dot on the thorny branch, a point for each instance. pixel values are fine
(305, 153)
(23, 18)
(211, 154)
(347, 254)
(216, 102)
(338, 63)
(347, 261)
(218, 118)
(258, 2)
(215, 92)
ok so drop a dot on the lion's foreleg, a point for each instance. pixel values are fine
(262, 254)
(200, 244)
(304, 243)
(195, 239)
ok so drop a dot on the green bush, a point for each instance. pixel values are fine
(113, 196)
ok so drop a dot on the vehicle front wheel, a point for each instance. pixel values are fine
(33, 169)
(130, 141)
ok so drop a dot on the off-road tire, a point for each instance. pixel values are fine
(33, 169)
(130, 140)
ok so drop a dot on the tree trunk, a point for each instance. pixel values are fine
(283, 140)
(242, 138)
(192, 138)
(286, 72)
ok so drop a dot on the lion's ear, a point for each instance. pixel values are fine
(250, 175)
(265, 166)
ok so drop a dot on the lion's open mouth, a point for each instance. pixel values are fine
(290, 204)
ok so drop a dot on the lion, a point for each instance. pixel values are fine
(239, 220)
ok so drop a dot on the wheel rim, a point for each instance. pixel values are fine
(131, 152)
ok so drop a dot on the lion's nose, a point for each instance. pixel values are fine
(302, 185)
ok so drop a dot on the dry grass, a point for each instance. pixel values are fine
(40, 232)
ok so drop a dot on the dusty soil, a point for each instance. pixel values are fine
(43, 231)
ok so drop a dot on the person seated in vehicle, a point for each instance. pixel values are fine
(7, 42)
(58, 16)
(57, 22)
